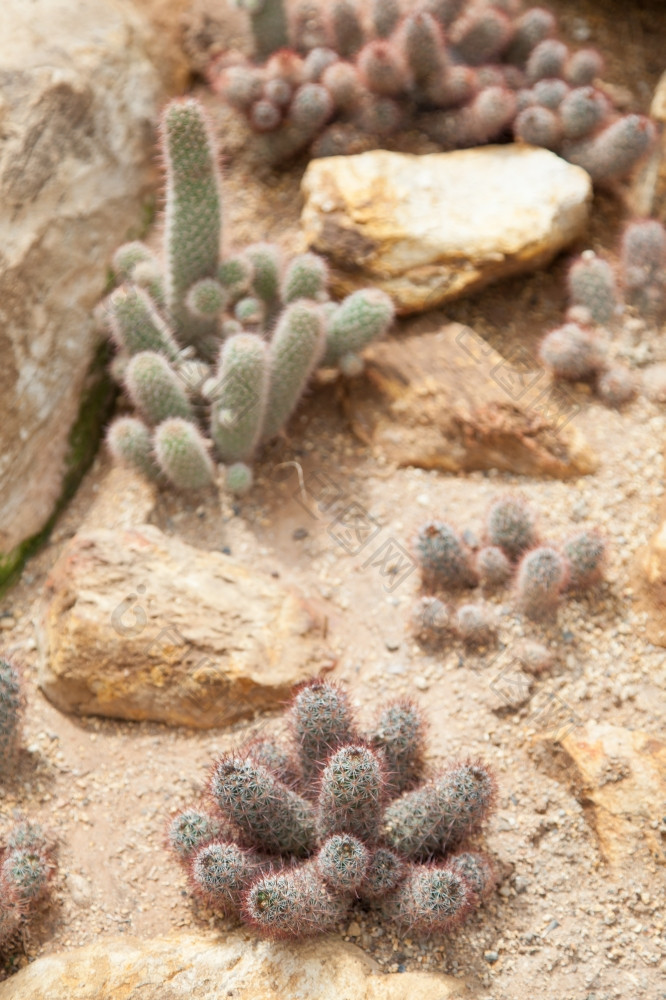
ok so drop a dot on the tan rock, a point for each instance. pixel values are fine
(138, 625)
(165, 41)
(80, 95)
(647, 196)
(185, 966)
(427, 229)
(448, 401)
(652, 585)
(620, 776)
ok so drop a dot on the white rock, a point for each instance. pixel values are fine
(209, 967)
(427, 229)
(80, 95)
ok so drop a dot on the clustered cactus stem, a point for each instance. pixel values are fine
(10, 716)
(462, 71)
(214, 354)
(293, 833)
(27, 868)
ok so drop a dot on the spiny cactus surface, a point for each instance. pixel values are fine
(227, 344)
(27, 868)
(298, 830)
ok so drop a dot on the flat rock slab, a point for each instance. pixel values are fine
(194, 967)
(427, 229)
(620, 774)
(139, 625)
(447, 400)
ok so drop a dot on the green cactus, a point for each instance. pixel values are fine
(585, 553)
(306, 277)
(572, 353)
(239, 478)
(591, 284)
(381, 70)
(475, 624)
(530, 28)
(155, 389)
(617, 386)
(193, 222)
(511, 526)
(492, 566)
(239, 397)
(268, 19)
(423, 48)
(128, 256)
(546, 60)
(481, 35)
(264, 262)
(206, 298)
(278, 757)
(10, 715)
(293, 353)
(342, 863)
(219, 872)
(583, 67)
(431, 620)
(444, 558)
(542, 576)
(137, 326)
(131, 443)
(615, 151)
(430, 900)
(477, 870)
(351, 794)
(292, 903)
(29, 872)
(538, 126)
(360, 318)
(399, 735)
(384, 872)
(182, 454)
(190, 830)
(643, 264)
(321, 721)
(582, 111)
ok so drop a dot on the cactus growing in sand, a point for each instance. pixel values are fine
(27, 868)
(213, 353)
(443, 556)
(10, 715)
(542, 576)
(359, 819)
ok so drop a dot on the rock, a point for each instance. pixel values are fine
(647, 195)
(447, 400)
(651, 585)
(619, 775)
(427, 229)
(79, 98)
(166, 37)
(208, 967)
(138, 625)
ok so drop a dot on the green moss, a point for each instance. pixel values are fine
(84, 438)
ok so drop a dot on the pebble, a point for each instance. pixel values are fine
(7, 622)
(421, 683)
(392, 644)
(354, 929)
(491, 957)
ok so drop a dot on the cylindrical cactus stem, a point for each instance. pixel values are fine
(384, 873)
(182, 454)
(399, 733)
(477, 870)
(476, 624)
(360, 318)
(278, 756)
(441, 813)
(643, 262)
(432, 899)
(342, 81)
(131, 443)
(268, 815)
(384, 17)
(547, 60)
(381, 69)
(136, 324)
(342, 863)
(316, 62)
(591, 284)
(264, 262)
(538, 126)
(190, 830)
(238, 399)
(207, 298)
(240, 86)
(615, 151)
(531, 28)
(493, 566)
(219, 872)
(617, 386)
(294, 351)
(155, 389)
(583, 67)
(481, 35)
(128, 256)
(542, 576)
(10, 715)
(431, 620)
(511, 526)
(270, 30)
(586, 554)
(10, 914)
(265, 116)
(29, 871)
(572, 353)
(444, 558)
(235, 275)
(239, 478)
(344, 27)
(193, 223)
(293, 903)
(422, 43)
(320, 722)
(306, 277)
(352, 793)
(549, 93)
(582, 111)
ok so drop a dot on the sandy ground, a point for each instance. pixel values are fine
(562, 924)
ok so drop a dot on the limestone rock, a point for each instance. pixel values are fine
(188, 966)
(431, 228)
(447, 400)
(647, 197)
(79, 98)
(138, 625)
(620, 775)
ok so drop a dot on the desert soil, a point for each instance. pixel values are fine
(563, 923)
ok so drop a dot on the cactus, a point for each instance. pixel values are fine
(542, 576)
(239, 396)
(239, 478)
(530, 28)
(431, 620)
(269, 25)
(585, 553)
(550, 93)
(615, 151)
(583, 67)
(130, 442)
(381, 70)
(155, 389)
(385, 17)
(511, 526)
(643, 261)
(305, 277)
(360, 318)
(353, 822)
(617, 386)
(546, 60)
(492, 566)
(480, 35)
(572, 353)
(27, 869)
(443, 556)
(10, 715)
(344, 26)
(136, 326)
(422, 44)
(538, 126)
(182, 454)
(582, 111)
(296, 347)
(475, 624)
(591, 284)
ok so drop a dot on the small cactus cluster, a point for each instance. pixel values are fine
(295, 831)
(577, 351)
(214, 354)
(10, 716)
(27, 868)
(465, 72)
(511, 553)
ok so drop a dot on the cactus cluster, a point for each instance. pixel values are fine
(464, 72)
(27, 868)
(10, 715)
(578, 350)
(214, 353)
(293, 833)
(511, 553)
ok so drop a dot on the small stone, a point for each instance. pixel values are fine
(299, 534)
(7, 623)
(354, 929)
(421, 683)
(521, 884)
(491, 957)
(392, 644)
(551, 926)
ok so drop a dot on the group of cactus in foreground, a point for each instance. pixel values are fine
(345, 76)
(26, 856)
(213, 353)
(578, 350)
(295, 831)
(511, 552)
